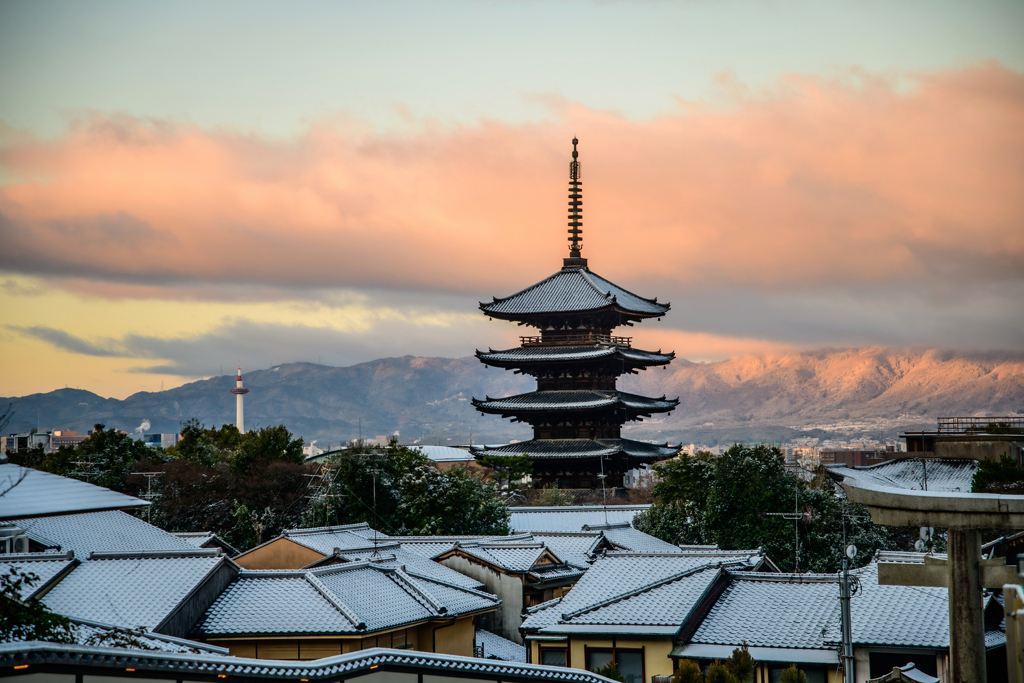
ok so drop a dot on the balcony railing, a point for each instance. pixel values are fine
(966, 425)
(576, 340)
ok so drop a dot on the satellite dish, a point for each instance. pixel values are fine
(927, 532)
(851, 551)
(919, 546)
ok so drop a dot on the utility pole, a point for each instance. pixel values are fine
(845, 593)
(795, 516)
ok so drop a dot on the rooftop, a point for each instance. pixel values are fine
(350, 598)
(560, 449)
(573, 290)
(524, 355)
(109, 530)
(588, 400)
(571, 517)
(29, 493)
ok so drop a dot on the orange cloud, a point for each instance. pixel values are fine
(817, 183)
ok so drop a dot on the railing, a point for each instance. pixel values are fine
(576, 339)
(966, 425)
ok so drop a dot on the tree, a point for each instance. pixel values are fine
(793, 675)
(206, 447)
(688, 672)
(610, 670)
(724, 500)
(269, 444)
(451, 501)
(106, 458)
(510, 468)
(29, 619)
(741, 664)
(998, 476)
(719, 673)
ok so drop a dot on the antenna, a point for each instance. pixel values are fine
(795, 516)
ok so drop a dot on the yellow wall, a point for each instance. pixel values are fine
(656, 652)
(451, 639)
(281, 553)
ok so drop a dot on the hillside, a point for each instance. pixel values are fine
(868, 390)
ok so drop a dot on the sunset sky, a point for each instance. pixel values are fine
(184, 186)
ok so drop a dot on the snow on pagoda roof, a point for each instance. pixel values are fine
(557, 449)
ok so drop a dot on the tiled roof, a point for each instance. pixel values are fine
(559, 449)
(518, 557)
(99, 660)
(772, 610)
(110, 530)
(570, 517)
(575, 290)
(573, 548)
(131, 590)
(575, 400)
(358, 597)
(528, 355)
(31, 493)
(941, 475)
(325, 539)
(413, 561)
(632, 539)
(445, 453)
(46, 566)
(494, 646)
(618, 590)
(92, 630)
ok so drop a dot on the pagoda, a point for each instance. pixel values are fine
(576, 413)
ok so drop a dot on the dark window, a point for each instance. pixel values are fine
(630, 662)
(553, 657)
(884, 662)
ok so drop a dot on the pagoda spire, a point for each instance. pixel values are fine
(575, 204)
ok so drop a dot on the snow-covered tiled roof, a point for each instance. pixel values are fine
(915, 474)
(102, 531)
(573, 548)
(572, 400)
(325, 539)
(518, 557)
(494, 646)
(357, 597)
(94, 632)
(31, 493)
(637, 541)
(772, 610)
(630, 589)
(46, 566)
(576, 354)
(131, 590)
(398, 555)
(571, 517)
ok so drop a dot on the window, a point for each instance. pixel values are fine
(630, 662)
(554, 657)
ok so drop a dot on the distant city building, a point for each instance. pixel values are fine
(979, 438)
(160, 440)
(576, 413)
(63, 437)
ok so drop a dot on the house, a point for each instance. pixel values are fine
(628, 608)
(322, 546)
(794, 618)
(161, 591)
(339, 609)
(61, 663)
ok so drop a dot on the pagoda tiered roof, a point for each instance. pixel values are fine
(574, 289)
(571, 449)
(592, 353)
(575, 400)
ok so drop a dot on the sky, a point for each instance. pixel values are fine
(189, 186)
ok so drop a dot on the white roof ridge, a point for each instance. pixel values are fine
(512, 544)
(407, 583)
(38, 557)
(154, 554)
(543, 606)
(568, 616)
(772, 577)
(325, 529)
(330, 597)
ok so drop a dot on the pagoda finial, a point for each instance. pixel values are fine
(575, 204)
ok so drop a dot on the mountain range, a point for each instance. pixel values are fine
(871, 391)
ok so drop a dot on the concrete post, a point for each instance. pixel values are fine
(966, 621)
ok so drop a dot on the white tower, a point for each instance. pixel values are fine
(238, 390)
